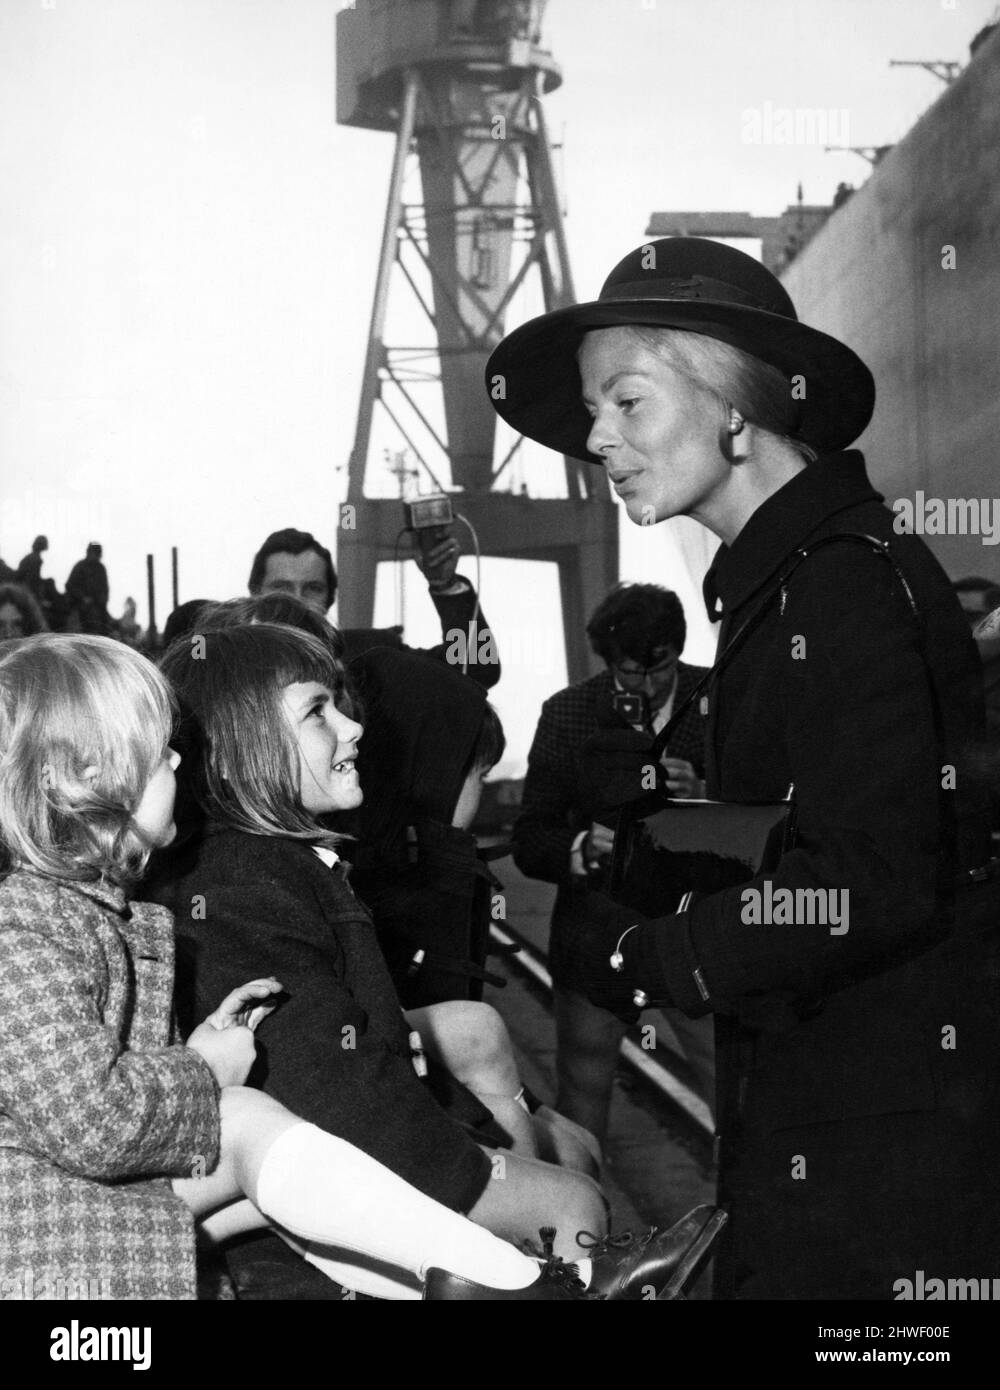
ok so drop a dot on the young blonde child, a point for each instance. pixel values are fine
(114, 1136)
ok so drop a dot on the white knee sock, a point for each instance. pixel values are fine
(331, 1194)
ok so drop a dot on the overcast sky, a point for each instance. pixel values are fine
(188, 244)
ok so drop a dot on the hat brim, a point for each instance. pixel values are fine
(534, 380)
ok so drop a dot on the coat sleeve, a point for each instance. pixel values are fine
(335, 1050)
(863, 756)
(550, 818)
(457, 612)
(75, 1095)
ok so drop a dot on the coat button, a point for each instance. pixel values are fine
(703, 706)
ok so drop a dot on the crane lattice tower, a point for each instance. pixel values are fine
(461, 85)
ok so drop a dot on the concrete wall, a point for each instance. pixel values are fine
(873, 276)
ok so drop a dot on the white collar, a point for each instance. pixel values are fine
(328, 856)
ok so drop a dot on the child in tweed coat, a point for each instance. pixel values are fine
(113, 1136)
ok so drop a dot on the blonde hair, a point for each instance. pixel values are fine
(761, 393)
(68, 704)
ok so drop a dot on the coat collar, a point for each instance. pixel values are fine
(108, 894)
(780, 525)
(103, 892)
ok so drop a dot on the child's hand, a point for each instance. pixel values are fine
(225, 1039)
(236, 1009)
(229, 1052)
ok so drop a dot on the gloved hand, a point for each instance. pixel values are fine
(616, 767)
(597, 932)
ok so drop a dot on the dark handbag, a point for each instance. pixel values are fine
(666, 849)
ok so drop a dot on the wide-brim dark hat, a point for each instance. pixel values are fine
(694, 284)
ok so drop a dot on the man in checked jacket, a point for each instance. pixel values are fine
(638, 630)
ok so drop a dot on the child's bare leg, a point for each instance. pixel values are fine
(564, 1142)
(233, 1220)
(472, 1042)
(524, 1195)
(324, 1190)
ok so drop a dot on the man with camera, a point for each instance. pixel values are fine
(638, 630)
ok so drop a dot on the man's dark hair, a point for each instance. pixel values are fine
(634, 620)
(291, 542)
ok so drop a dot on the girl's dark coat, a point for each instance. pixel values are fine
(337, 1050)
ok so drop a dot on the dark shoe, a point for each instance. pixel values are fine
(661, 1264)
(556, 1283)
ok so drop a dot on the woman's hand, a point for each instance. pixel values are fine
(603, 928)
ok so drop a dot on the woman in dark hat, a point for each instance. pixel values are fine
(857, 1082)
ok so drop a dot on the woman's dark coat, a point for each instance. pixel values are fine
(858, 1069)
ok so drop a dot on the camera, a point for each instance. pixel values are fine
(629, 707)
(429, 517)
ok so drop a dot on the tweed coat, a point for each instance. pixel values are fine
(858, 1068)
(97, 1102)
(337, 1050)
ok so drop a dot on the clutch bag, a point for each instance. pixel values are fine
(666, 849)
